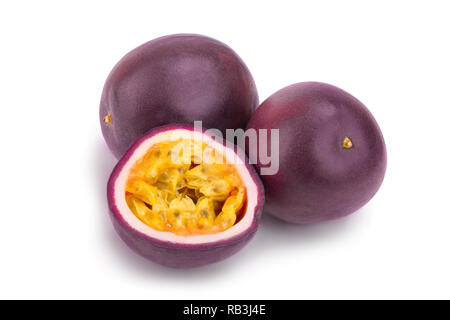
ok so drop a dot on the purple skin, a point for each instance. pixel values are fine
(175, 79)
(318, 178)
(179, 255)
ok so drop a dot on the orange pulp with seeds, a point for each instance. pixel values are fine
(185, 187)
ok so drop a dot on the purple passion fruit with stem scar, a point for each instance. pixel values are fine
(175, 79)
(332, 155)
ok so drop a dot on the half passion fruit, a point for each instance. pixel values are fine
(182, 199)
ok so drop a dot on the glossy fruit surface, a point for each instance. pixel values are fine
(332, 155)
(180, 210)
(178, 78)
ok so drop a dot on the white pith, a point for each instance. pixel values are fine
(171, 135)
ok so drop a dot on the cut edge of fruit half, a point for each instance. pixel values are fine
(140, 149)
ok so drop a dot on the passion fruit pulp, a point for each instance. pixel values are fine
(169, 190)
(182, 199)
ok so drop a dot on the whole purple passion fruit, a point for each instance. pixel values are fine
(332, 156)
(182, 199)
(175, 79)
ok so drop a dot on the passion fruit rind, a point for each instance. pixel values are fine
(183, 251)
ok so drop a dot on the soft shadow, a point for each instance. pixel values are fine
(275, 234)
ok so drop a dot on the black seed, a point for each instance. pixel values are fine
(193, 165)
(204, 213)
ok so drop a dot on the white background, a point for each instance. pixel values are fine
(56, 239)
